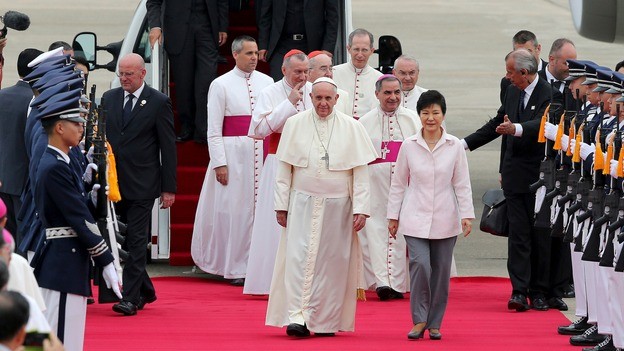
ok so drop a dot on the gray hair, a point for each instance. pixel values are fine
(301, 57)
(523, 59)
(361, 31)
(386, 78)
(407, 58)
(558, 44)
(237, 44)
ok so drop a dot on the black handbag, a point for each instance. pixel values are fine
(494, 217)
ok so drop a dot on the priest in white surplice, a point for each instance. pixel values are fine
(321, 198)
(276, 104)
(406, 68)
(224, 218)
(321, 66)
(387, 125)
(356, 76)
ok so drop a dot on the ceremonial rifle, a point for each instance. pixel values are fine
(90, 121)
(612, 202)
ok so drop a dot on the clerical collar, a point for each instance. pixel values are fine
(358, 70)
(328, 118)
(63, 154)
(239, 72)
(387, 114)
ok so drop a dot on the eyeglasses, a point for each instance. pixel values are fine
(125, 74)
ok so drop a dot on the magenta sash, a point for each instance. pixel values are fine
(236, 125)
(393, 152)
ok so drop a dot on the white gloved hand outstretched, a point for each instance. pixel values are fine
(90, 154)
(111, 279)
(87, 177)
(550, 131)
(587, 150)
(94, 194)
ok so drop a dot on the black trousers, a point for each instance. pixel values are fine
(137, 214)
(529, 248)
(193, 70)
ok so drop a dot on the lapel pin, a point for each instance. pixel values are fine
(532, 107)
(143, 102)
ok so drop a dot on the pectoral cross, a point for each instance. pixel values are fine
(326, 159)
(384, 152)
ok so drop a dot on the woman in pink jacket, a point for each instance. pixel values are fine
(430, 204)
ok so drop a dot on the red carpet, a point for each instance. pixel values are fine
(201, 314)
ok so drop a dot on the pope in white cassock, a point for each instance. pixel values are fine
(356, 76)
(276, 104)
(387, 125)
(225, 212)
(321, 199)
(406, 68)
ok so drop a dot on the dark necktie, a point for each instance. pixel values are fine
(127, 110)
(557, 85)
(522, 95)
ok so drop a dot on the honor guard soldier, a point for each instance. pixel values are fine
(72, 236)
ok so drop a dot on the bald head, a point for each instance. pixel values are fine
(131, 72)
(320, 66)
(406, 69)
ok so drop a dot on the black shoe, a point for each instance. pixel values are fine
(126, 308)
(606, 345)
(384, 293)
(539, 303)
(324, 334)
(396, 295)
(90, 300)
(577, 327)
(589, 338)
(238, 282)
(518, 302)
(145, 300)
(557, 303)
(568, 291)
(298, 330)
(185, 135)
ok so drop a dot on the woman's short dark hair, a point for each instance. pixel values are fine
(429, 98)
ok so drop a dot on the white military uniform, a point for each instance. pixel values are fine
(271, 112)
(410, 98)
(224, 218)
(385, 258)
(360, 84)
(322, 182)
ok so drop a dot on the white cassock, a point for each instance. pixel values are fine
(360, 84)
(410, 98)
(22, 279)
(318, 261)
(385, 258)
(272, 110)
(344, 102)
(224, 218)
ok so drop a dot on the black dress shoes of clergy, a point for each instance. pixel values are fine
(589, 338)
(557, 303)
(186, 134)
(539, 303)
(126, 308)
(518, 302)
(325, 334)
(606, 345)
(238, 281)
(386, 293)
(145, 300)
(298, 330)
(577, 327)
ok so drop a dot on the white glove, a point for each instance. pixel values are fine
(112, 280)
(87, 177)
(90, 154)
(540, 194)
(587, 150)
(94, 193)
(613, 168)
(564, 142)
(572, 144)
(550, 131)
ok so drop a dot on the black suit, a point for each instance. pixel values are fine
(13, 159)
(191, 38)
(318, 21)
(528, 248)
(145, 153)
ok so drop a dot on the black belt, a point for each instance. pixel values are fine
(295, 37)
